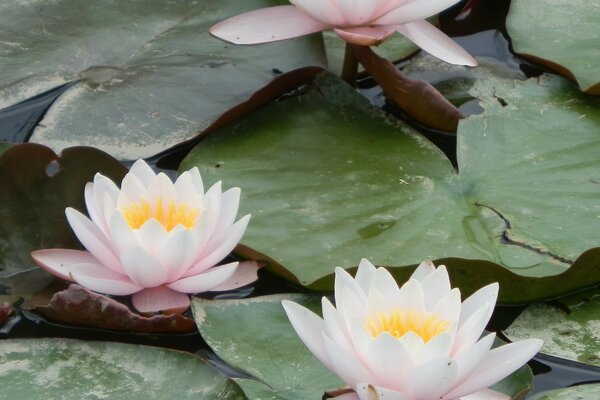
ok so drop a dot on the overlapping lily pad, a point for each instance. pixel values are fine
(37, 186)
(151, 75)
(569, 327)
(329, 181)
(268, 348)
(561, 34)
(71, 369)
(580, 392)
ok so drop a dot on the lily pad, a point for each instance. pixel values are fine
(569, 327)
(268, 348)
(562, 35)
(73, 369)
(150, 74)
(330, 180)
(580, 392)
(37, 186)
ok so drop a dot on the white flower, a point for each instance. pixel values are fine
(417, 342)
(153, 238)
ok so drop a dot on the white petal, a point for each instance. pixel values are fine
(245, 274)
(469, 360)
(497, 365)
(59, 262)
(486, 295)
(364, 274)
(152, 234)
(367, 391)
(325, 11)
(227, 243)
(205, 281)
(349, 307)
(160, 299)
(346, 365)
(334, 325)
(357, 12)
(470, 331)
(121, 234)
(212, 206)
(423, 270)
(160, 187)
(366, 35)
(143, 269)
(347, 396)
(185, 190)
(435, 286)
(309, 328)
(143, 172)
(389, 360)
(385, 284)
(343, 279)
(177, 253)
(102, 280)
(267, 25)
(419, 384)
(413, 11)
(93, 239)
(197, 180)
(229, 207)
(410, 297)
(132, 190)
(101, 188)
(436, 43)
(436, 347)
(448, 307)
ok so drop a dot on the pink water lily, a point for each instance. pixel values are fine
(360, 22)
(153, 238)
(416, 342)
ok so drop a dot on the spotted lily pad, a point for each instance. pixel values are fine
(580, 392)
(569, 327)
(72, 369)
(150, 75)
(268, 348)
(330, 181)
(37, 185)
(561, 34)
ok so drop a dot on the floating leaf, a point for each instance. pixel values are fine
(268, 348)
(6, 311)
(330, 181)
(580, 392)
(72, 369)
(562, 35)
(151, 75)
(569, 327)
(37, 186)
(79, 306)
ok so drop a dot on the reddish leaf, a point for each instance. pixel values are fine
(6, 311)
(79, 306)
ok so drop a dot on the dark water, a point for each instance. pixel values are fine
(481, 31)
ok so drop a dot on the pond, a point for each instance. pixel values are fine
(328, 177)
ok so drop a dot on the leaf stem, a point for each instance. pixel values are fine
(350, 66)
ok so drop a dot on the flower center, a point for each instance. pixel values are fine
(399, 322)
(169, 214)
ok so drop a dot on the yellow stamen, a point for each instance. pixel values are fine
(399, 322)
(168, 215)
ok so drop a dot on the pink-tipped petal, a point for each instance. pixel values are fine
(367, 391)
(58, 262)
(436, 43)
(100, 279)
(205, 281)
(245, 274)
(143, 172)
(325, 11)
(414, 10)
(497, 365)
(267, 25)
(93, 239)
(308, 326)
(227, 242)
(366, 35)
(160, 299)
(143, 269)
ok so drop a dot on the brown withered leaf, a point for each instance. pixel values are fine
(78, 306)
(6, 311)
(417, 98)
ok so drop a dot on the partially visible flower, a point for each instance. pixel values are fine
(361, 22)
(417, 342)
(153, 238)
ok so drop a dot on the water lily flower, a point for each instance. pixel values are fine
(416, 342)
(360, 22)
(153, 238)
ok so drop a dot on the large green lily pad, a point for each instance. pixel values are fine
(268, 348)
(151, 74)
(580, 392)
(37, 186)
(561, 34)
(72, 369)
(569, 327)
(330, 180)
